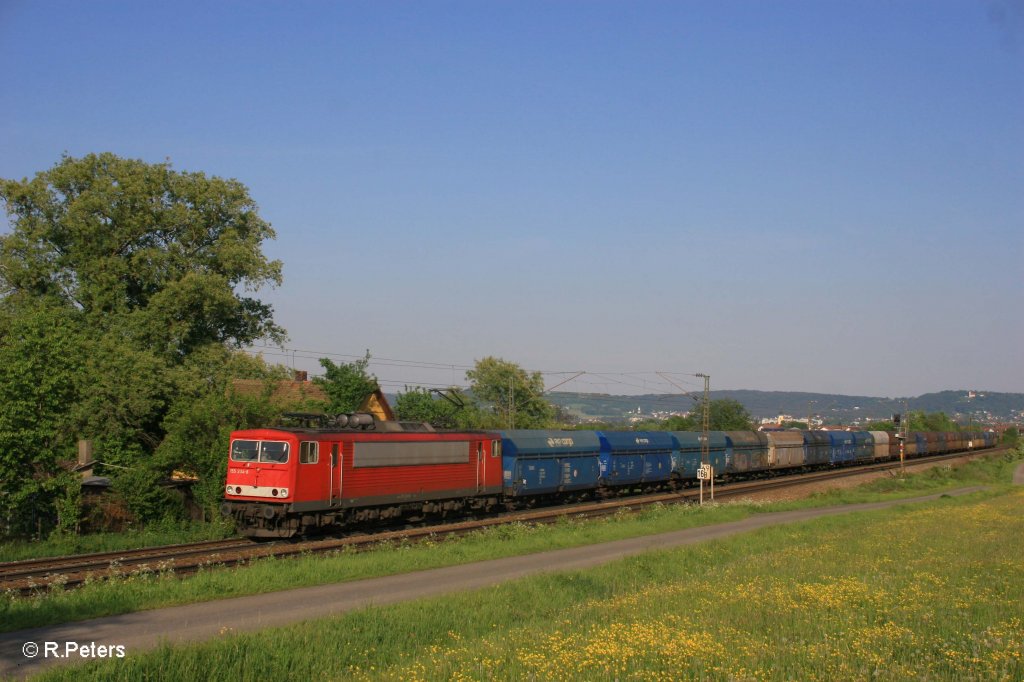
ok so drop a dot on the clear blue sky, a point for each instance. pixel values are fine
(821, 196)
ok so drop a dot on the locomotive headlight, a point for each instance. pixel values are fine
(274, 492)
(228, 490)
(284, 492)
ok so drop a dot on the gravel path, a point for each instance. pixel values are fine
(196, 622)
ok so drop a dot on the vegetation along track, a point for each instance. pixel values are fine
(30, 576)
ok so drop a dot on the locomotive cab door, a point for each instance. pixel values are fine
(481, 466)
(335, 474)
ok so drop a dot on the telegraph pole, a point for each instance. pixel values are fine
(705, 447)
(511, 403)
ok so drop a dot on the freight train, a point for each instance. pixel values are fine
(354, 469)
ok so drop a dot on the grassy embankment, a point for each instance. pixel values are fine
(930, 591)
(154, 535)
(138, 592)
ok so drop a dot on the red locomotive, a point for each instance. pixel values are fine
(342, 474)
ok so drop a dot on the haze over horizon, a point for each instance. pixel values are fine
(819, 197)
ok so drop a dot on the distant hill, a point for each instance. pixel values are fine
(982, 406)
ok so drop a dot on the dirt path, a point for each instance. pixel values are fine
(1018, 475)
(196, 622)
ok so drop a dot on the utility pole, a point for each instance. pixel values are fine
(905, 428)
(705, 446)
(511, 403)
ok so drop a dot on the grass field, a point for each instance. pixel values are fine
(154, 535)
(930, 591)
(137, 592)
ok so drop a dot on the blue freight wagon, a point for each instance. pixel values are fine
(686, 457)
(924, 447)
(632, 457)
(863, 445)
(543, 462)
(749, 450)
(841, 450)
(818, 447)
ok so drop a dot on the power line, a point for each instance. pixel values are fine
(579, 376)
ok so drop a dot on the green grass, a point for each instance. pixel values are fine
(147, 591)
(994, 470)
(930, 591)
(154, 535)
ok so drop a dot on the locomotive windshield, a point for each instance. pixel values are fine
(259, 451)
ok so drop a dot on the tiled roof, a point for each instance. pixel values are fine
(284, 393)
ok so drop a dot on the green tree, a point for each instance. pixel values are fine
(931, 421)
(1011, 436)
(451, 410)
(510, 396)
(725, 414)
(346, 384)
(682, 423)
(159, 255)
(206, 411)
(40, 361)
(114, 276)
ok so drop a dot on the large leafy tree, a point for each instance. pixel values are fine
(724, 414)
(207, 409)
(40, 364)
(347, 384)
(451, 409)
(116, 276)
(512, 396)
(164, 257)
(931, 421)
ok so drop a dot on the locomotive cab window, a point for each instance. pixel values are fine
(245, 450)
(309, 452)
(275, 452)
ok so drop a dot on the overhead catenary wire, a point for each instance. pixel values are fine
(653, 382)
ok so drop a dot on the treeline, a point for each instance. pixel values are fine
(919, 420)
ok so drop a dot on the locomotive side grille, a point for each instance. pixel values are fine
(409, 454)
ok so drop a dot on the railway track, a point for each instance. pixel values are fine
(17, 572)
(35, 575)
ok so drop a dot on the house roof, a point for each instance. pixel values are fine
(285, 392)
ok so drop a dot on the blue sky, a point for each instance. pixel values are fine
(821, 196)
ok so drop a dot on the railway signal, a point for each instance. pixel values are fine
(705, 472)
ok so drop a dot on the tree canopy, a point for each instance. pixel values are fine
(124, 289)
(452, 409)
(347, 384)
(725, 414)
(501, 395)
(160, 254)
(512, 396)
